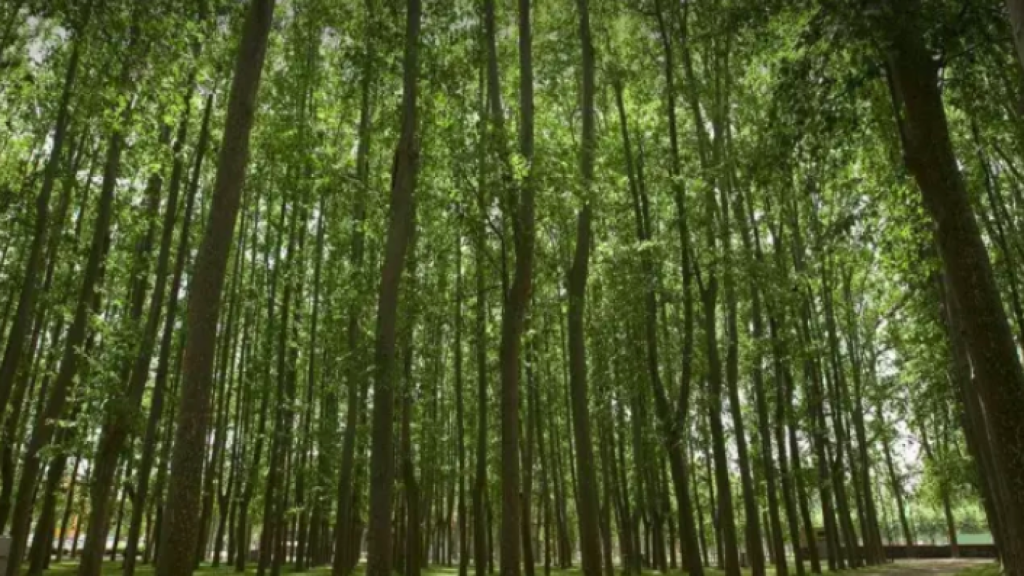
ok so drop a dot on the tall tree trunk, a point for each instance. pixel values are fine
(182, 506)
(529, 553)
(345, 526)
(752, 247)
(400, 227)
(783, 386)
(460, 425)
(928, 153)
(480, 350)
(587, 501)
(272, 249)
(516, 301)
(413, 540)
(150, 443)
(752, 517)
(69, 506)
(872, 534)
(896, 485)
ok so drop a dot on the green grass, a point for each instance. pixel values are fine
(114, 569)
(983, 570)
(70, 568)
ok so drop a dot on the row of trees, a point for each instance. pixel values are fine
(710, 283)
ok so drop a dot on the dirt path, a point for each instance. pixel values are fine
(931, 567)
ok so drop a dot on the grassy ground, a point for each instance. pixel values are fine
(114, 569)
(897, 569)
(982, 570)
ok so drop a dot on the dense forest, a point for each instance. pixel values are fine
(510, 286)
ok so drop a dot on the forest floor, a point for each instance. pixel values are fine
(935, 567)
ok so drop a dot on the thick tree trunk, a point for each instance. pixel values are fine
(207, 284)
(928, 153)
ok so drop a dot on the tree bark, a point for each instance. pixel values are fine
(400, 227)
(929, 156)
(587, 500)
(207, 284)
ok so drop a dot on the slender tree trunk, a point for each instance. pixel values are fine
(117, 426)
(345, 528)
(783, 385)
(400, 227)
(752, 517)
(587, 501)
(69, 506)
(277, 482)
(42, 537)
(460, 425)
(413, 538)
(896, 485)
(480, 349)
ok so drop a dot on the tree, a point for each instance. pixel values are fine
(180, 536)
(401, 227)
(929, 156)
(590, 545)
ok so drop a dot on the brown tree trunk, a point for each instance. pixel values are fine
(928, 153)
(587, 501)
(480, 350)
(400, 228)
(149, 443)
(117, 426)
(460, 424)
(272, 249)
(69, 506)
(182, 506)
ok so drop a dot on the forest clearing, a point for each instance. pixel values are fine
(512, 287)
